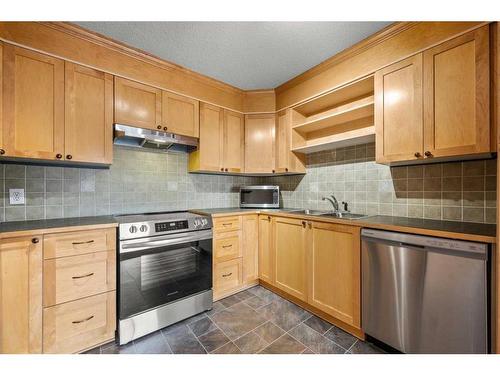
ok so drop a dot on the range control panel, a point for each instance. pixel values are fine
(171, 225)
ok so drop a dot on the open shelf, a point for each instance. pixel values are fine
(346, 113)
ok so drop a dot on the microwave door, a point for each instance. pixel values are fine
(258, 198)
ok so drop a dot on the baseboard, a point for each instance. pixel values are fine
(237, 290)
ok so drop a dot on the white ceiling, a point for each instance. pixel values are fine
(248, 55)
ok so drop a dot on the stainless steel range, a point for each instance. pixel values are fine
(165, 262)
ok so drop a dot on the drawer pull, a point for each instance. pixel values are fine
(227, 224)
(227, 274)
(83, 242)
(83, 320)
(81, 277)
(226, 246)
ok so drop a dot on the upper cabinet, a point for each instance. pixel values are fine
(286, 160)
(137, 104)
(435, 104)
(221, 141)
(33, 104)
(259, 143)
(89, 115)
(180, 115)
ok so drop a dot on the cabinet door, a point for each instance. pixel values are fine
(180, 115)
(259, 143)
(2, 151)
(137, 104)
(290, 256)
(456, 96)
(250, 248)
(265, 249)
(286, 160)
(88, 115)
(33, 104)
(209, 153)
(334, 270)
(398, 111)
(21, 295)
(234, 142)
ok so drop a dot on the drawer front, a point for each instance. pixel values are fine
(76, 243)
(78, 325)
(225, 224)
(227, 246)
(70, 278)
(228, 275)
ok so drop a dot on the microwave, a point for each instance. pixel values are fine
(261, 196)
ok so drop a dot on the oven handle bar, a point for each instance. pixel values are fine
(130, 246)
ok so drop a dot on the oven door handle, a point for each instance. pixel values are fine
(131, 246)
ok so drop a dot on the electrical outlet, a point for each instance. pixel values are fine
(16, 196)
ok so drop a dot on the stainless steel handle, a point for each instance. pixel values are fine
(83, 320)
(130, 246)
(227, 274)
(83, 242)
(83, 276)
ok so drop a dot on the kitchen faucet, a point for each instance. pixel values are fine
(334, 202)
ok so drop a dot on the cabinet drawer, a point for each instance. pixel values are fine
(70, 278)
(76, 243)
(227, 246)
(228, 275)
(75, 326)
(227, 223)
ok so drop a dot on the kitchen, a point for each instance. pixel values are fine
(151, 209)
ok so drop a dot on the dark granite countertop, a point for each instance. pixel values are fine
(452, 229)
(16, 226)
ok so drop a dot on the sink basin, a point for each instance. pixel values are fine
(310, 212)
(346, 215)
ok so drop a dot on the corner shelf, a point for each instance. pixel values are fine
(343, 117)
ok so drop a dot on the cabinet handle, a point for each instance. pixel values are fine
(165, 128)
(227, 224)
(2, 151)
(428, 154)
(35, 240)
(83, 276)
(222, 169)
(304, 224)
(69, 157)
(225, 169)
(83, 320)
(286, 169)
(226, 246)
(417, 154)
(269, 218)
(227, 274)
(58, 156)
(83, 242)
(274, 171)
(158, 127)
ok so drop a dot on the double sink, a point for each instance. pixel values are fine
(338, 215)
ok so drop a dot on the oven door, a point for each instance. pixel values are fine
(155, 271)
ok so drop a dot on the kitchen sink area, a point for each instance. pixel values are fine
(338, 215)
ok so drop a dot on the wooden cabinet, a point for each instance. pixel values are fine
(290, 256)
(21, 295)
(266, 255)
(33, 104)
(233, 147)
(435, 104)
(228, 277)
(137, 104)
(456, 96)
(250, 248)
(260, 143)
(180, 115)
(286, 160)
(227, 245)
(334, 270)
(398, 111)
(88, 135)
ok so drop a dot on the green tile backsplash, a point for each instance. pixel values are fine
(141, 181)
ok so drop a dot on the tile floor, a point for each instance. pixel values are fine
(253, 321)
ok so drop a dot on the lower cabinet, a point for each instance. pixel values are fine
(250, 249)
(57, 291)
(334, 270)
(265, 249)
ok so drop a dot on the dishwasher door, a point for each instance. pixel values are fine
(424, 294)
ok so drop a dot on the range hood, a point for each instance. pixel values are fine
(156, 140)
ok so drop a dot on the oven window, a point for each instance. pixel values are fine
(257, 196)
(155, 277)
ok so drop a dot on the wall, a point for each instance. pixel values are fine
(463, 191)
(137, 181)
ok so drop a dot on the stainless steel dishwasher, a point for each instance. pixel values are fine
(425, 294)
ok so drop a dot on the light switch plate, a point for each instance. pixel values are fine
(16, 196)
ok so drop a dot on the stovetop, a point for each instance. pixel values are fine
(134, 226)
